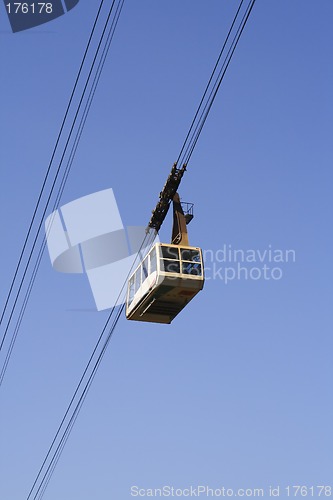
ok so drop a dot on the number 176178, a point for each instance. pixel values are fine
(311, 491)
(29, 8)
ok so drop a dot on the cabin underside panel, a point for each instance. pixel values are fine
(163, 303)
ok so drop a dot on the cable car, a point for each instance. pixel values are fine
(168, 278)
(164, 283)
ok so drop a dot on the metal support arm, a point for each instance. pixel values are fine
(166, 196)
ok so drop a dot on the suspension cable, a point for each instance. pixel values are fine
(46, 471)
(217, 84)
(191, 139)
(62, 185)
(209, 82)
(49, 166)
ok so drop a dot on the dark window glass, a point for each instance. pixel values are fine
(191, 268)
(170, 266)
(145, 269)
(191, 255)
(170, 253)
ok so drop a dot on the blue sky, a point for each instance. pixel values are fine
(237, 392)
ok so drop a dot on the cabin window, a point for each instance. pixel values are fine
(131, 290)
(145, 269)
(190, 255)
(169, 262)
(170, 266)
(191, 268)
(137, 277)
(170, 253)
(153, 263)
(191, 262)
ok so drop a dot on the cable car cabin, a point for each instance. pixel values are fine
(164, 283)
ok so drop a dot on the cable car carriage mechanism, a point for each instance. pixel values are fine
(170, 275)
